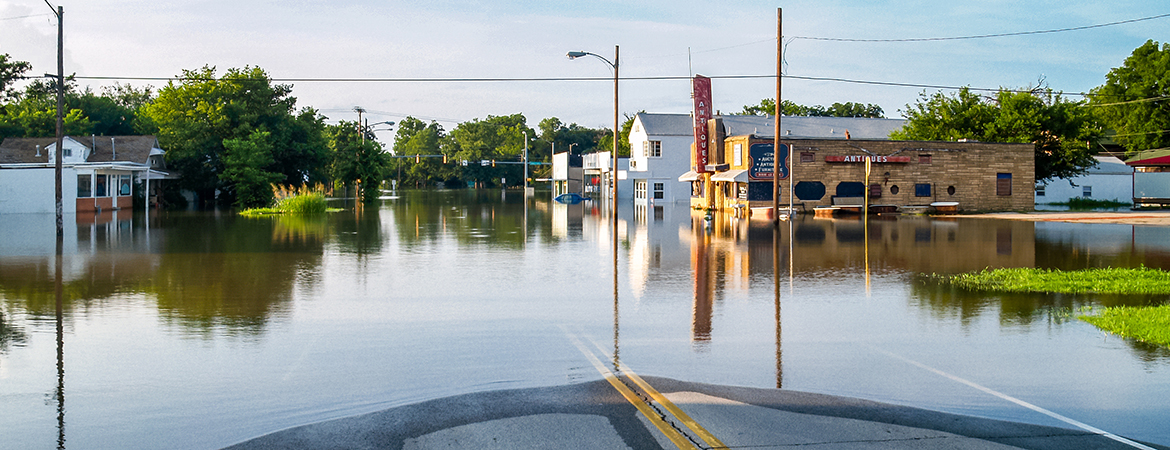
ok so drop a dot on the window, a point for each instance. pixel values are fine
(1003, 184)
(100, 186)
(737, 156)
(1039, 191)
(809, 190)
(950, 190)
(1086, 191)
(124, 185)
(639, 189)
(894, 189)
(67, 153)
(875, 191)
(84, 186)
(652, 149)
(922, 190)
(659, 191)
(923, 159)
(807, 157)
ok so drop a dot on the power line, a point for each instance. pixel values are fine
(983, 36)
(26, 17)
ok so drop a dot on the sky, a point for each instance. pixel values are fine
(444, 39)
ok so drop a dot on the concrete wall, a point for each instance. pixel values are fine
(34, 191)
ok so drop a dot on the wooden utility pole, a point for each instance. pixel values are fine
(60, 13)
(776, 144)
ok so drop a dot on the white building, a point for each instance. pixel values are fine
(660, 144)
(1110, 179)
(97, 173)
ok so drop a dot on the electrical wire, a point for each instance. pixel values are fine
(26, 17)
(984, 36)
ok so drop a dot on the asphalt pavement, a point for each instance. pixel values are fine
(665, 413)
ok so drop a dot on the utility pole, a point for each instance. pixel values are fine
(776, 162)
(60, 13)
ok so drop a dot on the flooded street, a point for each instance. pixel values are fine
(200, 330)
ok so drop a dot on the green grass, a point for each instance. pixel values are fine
(1089, 281)
(290, 200)
(1082, 203)
(1144, 323)
(1149, 324)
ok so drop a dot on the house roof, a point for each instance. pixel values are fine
(1153, 158)
(673, 124)
(1109, 165)
(24, 150)
(136, 149)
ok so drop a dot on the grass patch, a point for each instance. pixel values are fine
(294, 200)
(1082, 203)
(1150, 324)
(1141, 280)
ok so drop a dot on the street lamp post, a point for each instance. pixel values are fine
(616, 130)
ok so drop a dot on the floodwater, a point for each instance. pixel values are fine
(199, 330)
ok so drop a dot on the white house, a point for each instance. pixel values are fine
(661, 146)
(98, 173)
(1109, 179)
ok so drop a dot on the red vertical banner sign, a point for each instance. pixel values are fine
(701, 87)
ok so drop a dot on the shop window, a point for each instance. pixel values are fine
(923, 159)
(950, 190)
(809, 190)
(894, 189)
(100, 186)
(1086, 191)
(807, 157)
(1003, 184)
(84, 186)
(922, 190)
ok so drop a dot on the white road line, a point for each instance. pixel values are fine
(1017, 401)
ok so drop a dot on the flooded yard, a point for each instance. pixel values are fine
(199, 330)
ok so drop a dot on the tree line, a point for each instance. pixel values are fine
(234, 134)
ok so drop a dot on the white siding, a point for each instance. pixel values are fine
(33, 191)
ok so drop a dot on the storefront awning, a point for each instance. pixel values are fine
(738, 176)
(689, 176)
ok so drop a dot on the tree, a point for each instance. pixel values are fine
(415, 137)
(605, 137)
(10, 71)
(1135, 99)
(201, 111)
(244, 175)
(496, 138)
(1063, 132)
(767, 107)
(356, 162)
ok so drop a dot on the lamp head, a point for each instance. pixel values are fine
(575, 55)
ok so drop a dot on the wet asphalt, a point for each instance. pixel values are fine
(594, 415)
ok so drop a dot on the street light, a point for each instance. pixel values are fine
(616, 130)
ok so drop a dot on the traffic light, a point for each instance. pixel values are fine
(444, 159)
(417, 159)
(493, 163)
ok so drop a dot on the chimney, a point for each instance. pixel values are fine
(38, 151)
(113, 150)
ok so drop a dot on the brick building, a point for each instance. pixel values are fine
(832, 172)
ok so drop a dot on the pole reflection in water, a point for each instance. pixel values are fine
(616, 359)
(776, 292)
(60, 315)
(701, 263)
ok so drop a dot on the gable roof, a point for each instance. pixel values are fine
(1159, 157)
(135, 149)
(674, 124)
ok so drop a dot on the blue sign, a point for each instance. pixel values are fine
(764, 162)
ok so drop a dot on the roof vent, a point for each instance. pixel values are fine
(38, 151)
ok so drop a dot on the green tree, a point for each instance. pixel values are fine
(767, 107)
(244, 176)
(496, 138)
(356, 162)
(1063, 132)
(605, 137)
(415, 137)
(1135, 99)
(10, 71)
(197, 114)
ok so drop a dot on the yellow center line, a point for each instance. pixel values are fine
(677, 438)
(692, 424)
